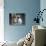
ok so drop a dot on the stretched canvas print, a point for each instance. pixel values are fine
(16, 18)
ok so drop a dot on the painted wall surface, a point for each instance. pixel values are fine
(43, 6)
(29, 7)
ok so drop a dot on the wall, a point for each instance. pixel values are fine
(43, 6)
(29, 7)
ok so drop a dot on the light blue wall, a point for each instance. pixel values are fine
(43, 6)
(29, 7)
